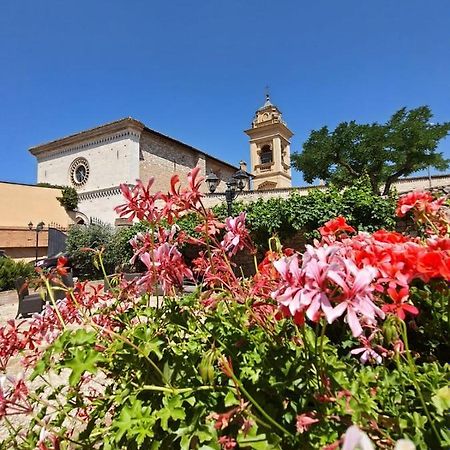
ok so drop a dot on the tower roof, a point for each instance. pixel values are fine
(267, 114)
(267, 103)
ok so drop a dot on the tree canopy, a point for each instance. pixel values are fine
(405, 144)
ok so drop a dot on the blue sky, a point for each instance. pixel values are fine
(197, 70)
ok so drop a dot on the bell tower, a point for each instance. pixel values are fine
(270, 148)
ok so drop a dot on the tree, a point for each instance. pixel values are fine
(405, 144)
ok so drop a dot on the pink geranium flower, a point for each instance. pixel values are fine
(327, 283)
(305, 421)
(237, 236)
(165, 265)
(356, 295)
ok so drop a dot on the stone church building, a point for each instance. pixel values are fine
(96, 161)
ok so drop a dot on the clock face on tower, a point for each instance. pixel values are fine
(79, 171)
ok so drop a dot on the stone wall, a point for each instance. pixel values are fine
(162, 157)
(402, 186)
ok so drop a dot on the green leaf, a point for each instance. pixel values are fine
(441, 399)
(83, 360)
(172, 410)
(135, 422)
(230, 399)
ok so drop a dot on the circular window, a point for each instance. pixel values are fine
(79, 171)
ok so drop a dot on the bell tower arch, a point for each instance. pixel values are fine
(270, 148)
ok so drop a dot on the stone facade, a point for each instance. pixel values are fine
(97, 161)
(270, 151)
(161, 156)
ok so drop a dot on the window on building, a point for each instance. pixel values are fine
(266, 155)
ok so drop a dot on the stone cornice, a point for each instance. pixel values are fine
(270, 129)
(99, 193)
(78, 140)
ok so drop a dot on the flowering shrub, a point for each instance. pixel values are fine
(351, 333)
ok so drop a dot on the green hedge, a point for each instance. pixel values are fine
(305, 213)
(10, 270)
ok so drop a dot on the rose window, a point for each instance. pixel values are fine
(79, 171)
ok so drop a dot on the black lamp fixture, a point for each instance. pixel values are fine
(39, 227)
(235, 185)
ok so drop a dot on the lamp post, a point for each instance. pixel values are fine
(235, 186)
(39, 227)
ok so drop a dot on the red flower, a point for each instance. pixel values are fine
(390, 237)
(399, 307)
(336, 227)
(61, 266)
(422, 202)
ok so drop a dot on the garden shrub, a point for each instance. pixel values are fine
(319, 350)
(82, 240)
(10, 270)
(119, 251)
(115, 242)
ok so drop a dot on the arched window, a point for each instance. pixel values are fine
(266, 155)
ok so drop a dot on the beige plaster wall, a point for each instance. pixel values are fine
(20, 204)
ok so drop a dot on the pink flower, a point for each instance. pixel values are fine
(328, 282)
(304, 421)
(227, 442)
(357, 295)
(367, 355)
(166, 266)
(187, 198)
(237, 237)
(355, 439)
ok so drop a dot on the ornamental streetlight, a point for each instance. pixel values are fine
(39, 227)
(235, 186)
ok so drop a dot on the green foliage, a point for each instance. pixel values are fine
(69, 198)
(430, 328)
(405, 144)
(305, 213)
(168, 382)
(119, 251)
(80, 239)
(10, 270)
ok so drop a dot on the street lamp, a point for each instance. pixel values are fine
(39, 227)
(235, 186)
